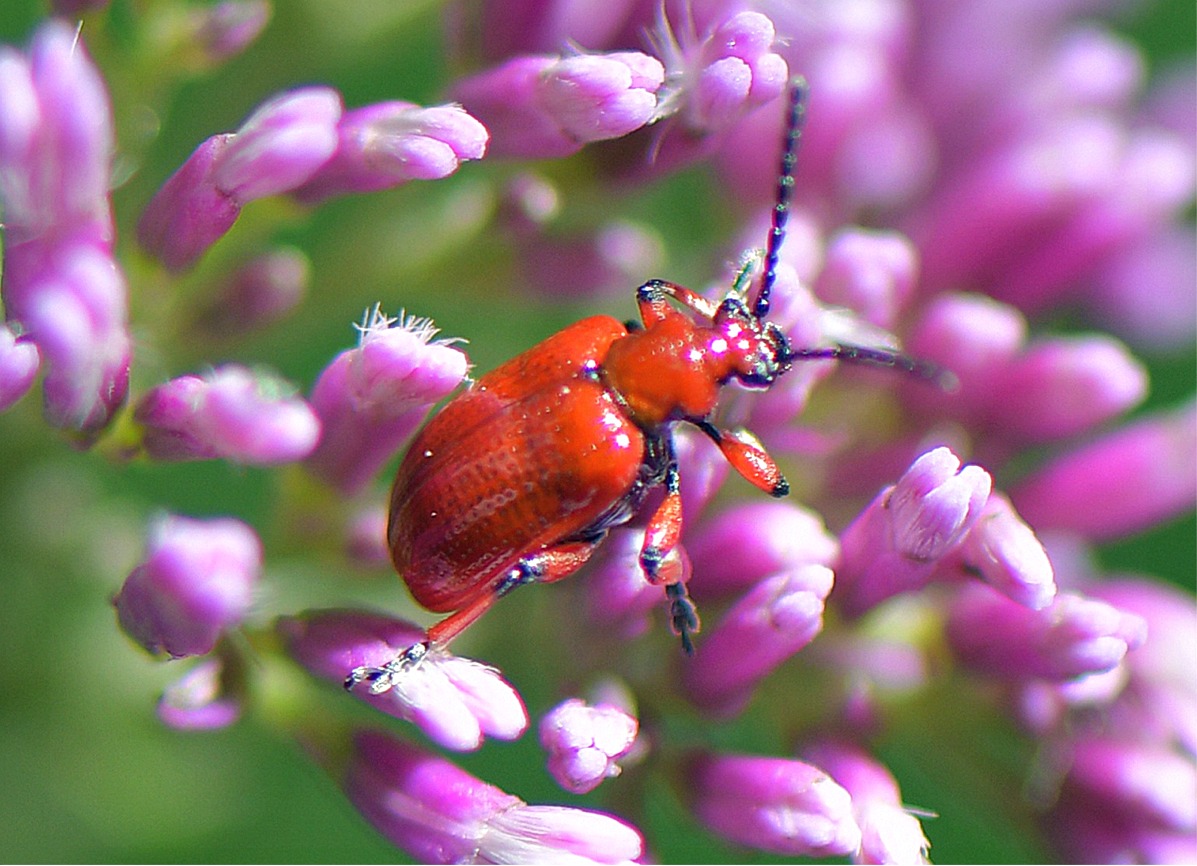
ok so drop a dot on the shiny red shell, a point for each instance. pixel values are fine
(532, 453)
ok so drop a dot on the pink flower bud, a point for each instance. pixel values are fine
(894, 544)
(441, 814)
(1070, 637)
(372, 398)
(196, 582)
(1119, 483)
(381, 146)
(19, 360)
(889, 834)
(232, 413)
(584, 743)
(774, 804)
(774, 620)
(454, 700)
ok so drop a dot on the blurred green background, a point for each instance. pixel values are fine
(87, 772)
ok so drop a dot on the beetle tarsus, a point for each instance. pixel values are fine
(683, 616)
(385, 678)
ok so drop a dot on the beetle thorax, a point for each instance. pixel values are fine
(671, 370)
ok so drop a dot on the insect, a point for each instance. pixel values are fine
(520, 477)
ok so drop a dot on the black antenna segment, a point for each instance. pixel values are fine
(795, 117)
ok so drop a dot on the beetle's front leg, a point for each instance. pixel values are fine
(652, 300)
(748, 457)
(663, 561)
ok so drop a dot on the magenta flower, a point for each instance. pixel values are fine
(278, 149)
(1005, 553)
(1047, 390)
(774, 804)
(776, 618)
(231, 413)
(871, 272)
(60, 282)
(223, 30)
(721, 74)
(735, 549)
(259, 292)
(454, 700)
(196, 582)
(584, 742)
(372, 398)
(992, 199)
(894, 545)
(203, 699)
(1070, 637)
(550, 106)
(381, 146)
(889, 833)
(1119, 483)
(19, 360)
(1126, 777)
(441, 814)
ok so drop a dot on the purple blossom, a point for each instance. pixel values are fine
(776, 618)
(895, 543)
(372, 398)
(584, 742)
(774, 804)
(1070, 637)
(735, 549)
(202, 699)
(441, 814)
(889, 833)
(871, 272)
(383, 145)
(714, 78)
(1005, 553)
(1127, 782)
(196, 582)
(60, 282)
(55, 138)
(19, 360)
(257, 293)
(454, 700)
(1152, 784)
(1118, 483)
(1068, 192)
(278, 149)
(225, 29)
(231, 413)
(550, 106)
(1053, 388)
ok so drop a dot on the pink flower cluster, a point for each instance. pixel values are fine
(968, 174)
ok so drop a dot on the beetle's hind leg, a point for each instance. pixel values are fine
(545, 566)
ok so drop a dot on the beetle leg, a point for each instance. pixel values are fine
(652, 299)
(546, 566)
(663, 560)
(748, 457)
(664, 527)
(683, 617)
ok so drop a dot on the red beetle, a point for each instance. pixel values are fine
(520, 477)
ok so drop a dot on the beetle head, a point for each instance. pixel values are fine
(758, 351)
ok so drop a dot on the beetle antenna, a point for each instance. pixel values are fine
(916, 367)
(785, 191)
